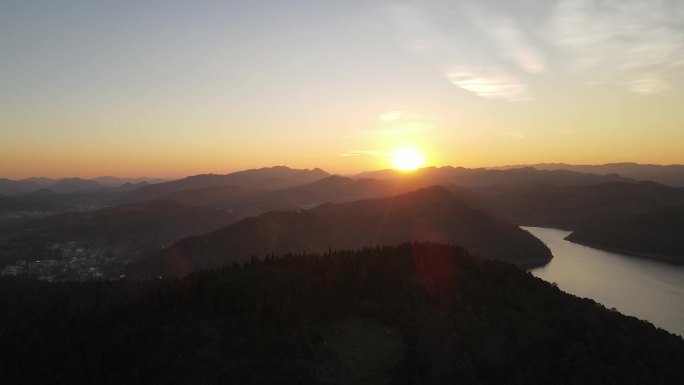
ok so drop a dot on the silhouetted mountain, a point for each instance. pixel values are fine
(126, 187)
(570, 207)
(431, 214)
(16, 187)
(243, 203)
(70, 185)
(113, 181)
(657, 234)
(265, 179)
(672, 175)
(331, 189)
(413, 314)
(127, 231)
(335, 189)
(41, 181)
(480, 177)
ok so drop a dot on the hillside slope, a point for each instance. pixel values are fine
(413, 314)
(431, 214)
(658, 234)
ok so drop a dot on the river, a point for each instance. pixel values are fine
(644, 288)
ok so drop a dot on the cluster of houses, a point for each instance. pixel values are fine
(72, 262)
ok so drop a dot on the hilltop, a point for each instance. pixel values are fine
(431, 214)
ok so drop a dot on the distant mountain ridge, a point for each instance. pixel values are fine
(336, 188)
(672, 175)
(71, 185)
(430, 214)
(263, 179)
(481, 177)
(16, 187)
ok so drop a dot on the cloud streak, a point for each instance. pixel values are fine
(489, 85)
(482, 52)
(497, 49)
(633, 42)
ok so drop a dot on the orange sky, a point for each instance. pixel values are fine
(167, 90)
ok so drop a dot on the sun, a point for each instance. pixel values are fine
(407, 158)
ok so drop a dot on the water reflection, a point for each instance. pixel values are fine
(647, 289)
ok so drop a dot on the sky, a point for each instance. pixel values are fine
(173, 88)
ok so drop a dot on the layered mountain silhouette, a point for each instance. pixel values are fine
(672, 175)
(331, 189)
(480, 177)
(15, 187)
(73, 185)
(337, 188)
(427, 215)
(129, 231)
(264, 179)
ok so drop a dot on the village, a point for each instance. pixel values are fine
(71, 262)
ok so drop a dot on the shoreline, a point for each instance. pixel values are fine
(656, 257)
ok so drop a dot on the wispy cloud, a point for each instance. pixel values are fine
(513, 41)
(496, 49)
(648, 85)
(634, 42)
(375, 153)
(481, 51)
(489, 85)
(397, 123)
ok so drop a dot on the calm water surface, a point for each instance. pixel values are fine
(647, 289)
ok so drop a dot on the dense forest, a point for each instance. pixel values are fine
(412, 314)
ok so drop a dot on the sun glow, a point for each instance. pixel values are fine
(407, 159)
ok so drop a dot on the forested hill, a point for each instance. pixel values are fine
(412, 314)
(432, 214)
(657, 234)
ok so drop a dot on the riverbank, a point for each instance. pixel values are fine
(656, 257)
(648, 289)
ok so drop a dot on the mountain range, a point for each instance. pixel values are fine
(671, 175)
(264, 179)
(526, 196)
(126, 232)
(70, 185)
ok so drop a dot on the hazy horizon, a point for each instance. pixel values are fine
(389, 167)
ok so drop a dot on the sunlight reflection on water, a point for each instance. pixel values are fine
(644, 288)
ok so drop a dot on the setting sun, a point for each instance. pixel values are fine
(407, 159)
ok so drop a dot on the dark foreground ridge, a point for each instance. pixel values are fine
(412, 314)
(427, 215)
